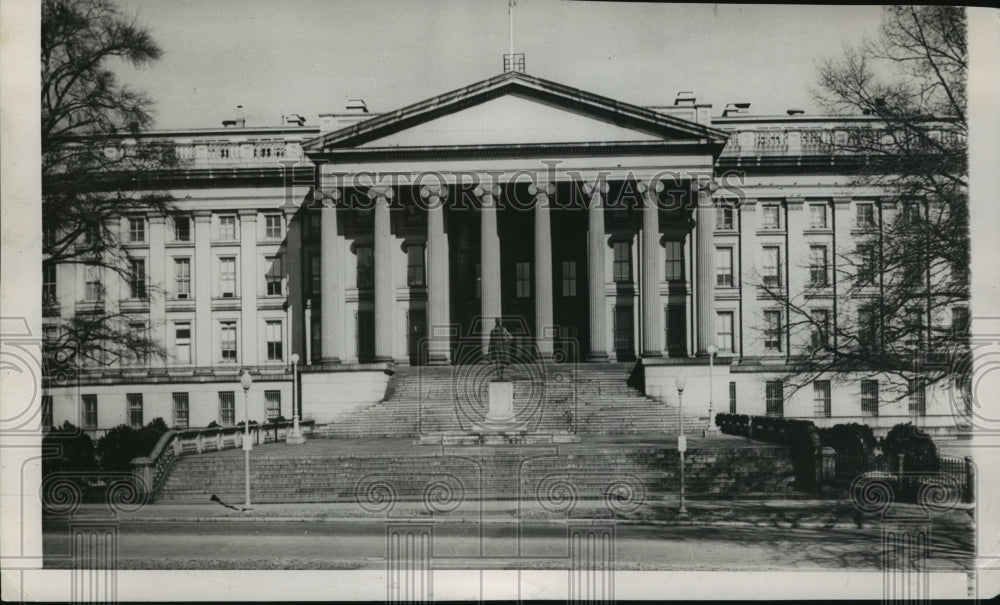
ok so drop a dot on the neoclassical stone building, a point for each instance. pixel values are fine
(597, 230)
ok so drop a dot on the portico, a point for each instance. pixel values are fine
(583, 222)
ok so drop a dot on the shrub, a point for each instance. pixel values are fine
(919, 451)
(854, 440)
(71, 450)
(116, 449)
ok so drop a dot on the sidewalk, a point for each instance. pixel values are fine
(805, 514)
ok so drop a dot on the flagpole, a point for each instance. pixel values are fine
(510, 26)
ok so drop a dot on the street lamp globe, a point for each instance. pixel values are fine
(680, 382)
(295, 358)
(712, 349)
(246, 380)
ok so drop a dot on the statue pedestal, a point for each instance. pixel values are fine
(501, 400)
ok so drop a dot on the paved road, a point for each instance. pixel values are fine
(354, 545)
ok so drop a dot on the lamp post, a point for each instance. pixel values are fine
(246, 381)
(711, 429)
(679, 384)
(295, 436)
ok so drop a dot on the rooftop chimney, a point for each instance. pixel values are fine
(357, 106)
(294, 118)
(239, 122)
(684, 98)
(736, 109)
(795, 112)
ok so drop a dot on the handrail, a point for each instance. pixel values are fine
(150, 472)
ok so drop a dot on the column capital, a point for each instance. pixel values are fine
(202, 216)
(381, 192)
(435, 191)
(247, 213)
(542, 188)
(482, 192)
(156, 219)
(290, 211)
(601, 188)
(709, 186)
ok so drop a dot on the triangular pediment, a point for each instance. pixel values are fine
(515, 109)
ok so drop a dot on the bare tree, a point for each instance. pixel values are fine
(96, 168)
(898, 287)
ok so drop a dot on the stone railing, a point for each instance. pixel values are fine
(150, 472)
(211, 154)
(794, 141)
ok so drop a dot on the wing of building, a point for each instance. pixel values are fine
(598, 231)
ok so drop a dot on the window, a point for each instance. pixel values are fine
(866, 216)
(136, 229)
(724, 267)
(272, 332)
(317, 340)
(272, 278)
(674, 260)
(724, 329)
(867, 328)
(772, 330)
(821, 398)
(415, 266)
(49, 283)
(959, 322)
(869, 397)
(817, 266)
(910, 214)
(817, 216)
(134, 410)
(227, 408)
(867, 261)
(623, 262)
(48, 236)
(772, 266)
(227, 227)
(775, 397)
(732, 397)
(50, 335)
(272, 401)
(522, 280)
(182, 229)
(182, 277)
(772, 216)
(724, 218)
(820, 328)
(227, 276)
(366, 267)
(569, 278)
(272, 226)
(182, 342)
(315, 271)
(918, 397)
(315, 224)
(181, 412)
(913, 328)
(46, 412)
(89, 411)
(136, 356)
(93, 290)
(227, 341)
(137, 278)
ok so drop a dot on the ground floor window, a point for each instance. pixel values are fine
(918, 397)
(821, 398)
(89, 411)
(227, 408)
(869, 397)
(273, 404)
(134, 410)
(774, 395)
(181, 412)
(732, 397)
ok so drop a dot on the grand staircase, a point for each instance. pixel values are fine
(584, 398)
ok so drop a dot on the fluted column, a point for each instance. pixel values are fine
(595, 273)
(543, 270)
(652, 265)
(705, 264)
(385, 284)
(332, 301)
(489, 254)
(438, 312)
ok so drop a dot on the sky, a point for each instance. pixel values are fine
(309, 56)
